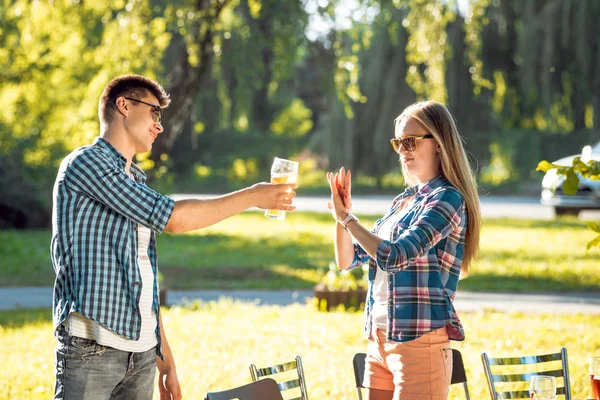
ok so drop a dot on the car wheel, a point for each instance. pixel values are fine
(564, 211)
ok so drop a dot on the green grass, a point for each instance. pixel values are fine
(250, 251)
(213, 351)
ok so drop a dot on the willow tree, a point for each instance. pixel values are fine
(401, 56)
(540, 59)
(515, 75)
(362, 142)
(536, 62)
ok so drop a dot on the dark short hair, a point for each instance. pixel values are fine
(131, 85)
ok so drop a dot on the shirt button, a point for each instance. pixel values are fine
(137, 284)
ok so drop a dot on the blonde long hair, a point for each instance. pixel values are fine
(436, 118)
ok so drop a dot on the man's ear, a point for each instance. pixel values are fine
(122, 105)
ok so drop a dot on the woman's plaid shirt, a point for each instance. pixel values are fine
(96, 211)
(423, 261)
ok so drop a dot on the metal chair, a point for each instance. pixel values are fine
(265, 389)
(297, 382)
(458, 372)
(506, 382)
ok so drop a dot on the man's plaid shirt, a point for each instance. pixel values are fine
(94, 249)
(423, 261)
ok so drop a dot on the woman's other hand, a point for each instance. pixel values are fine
(341, 202)
(344, 186)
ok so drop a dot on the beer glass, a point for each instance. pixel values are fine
(542, 387)
(595, 377)
(282, 171)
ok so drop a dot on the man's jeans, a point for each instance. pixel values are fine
(87, 370)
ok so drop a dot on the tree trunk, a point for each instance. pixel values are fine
(185, 79)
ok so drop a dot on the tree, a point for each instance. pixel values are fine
(248, 106)
(194, 25)
(55, 60)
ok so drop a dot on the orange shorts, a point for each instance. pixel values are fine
(419, 369)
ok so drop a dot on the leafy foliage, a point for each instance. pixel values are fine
(57, 58)
(571, 174)
(247, 83)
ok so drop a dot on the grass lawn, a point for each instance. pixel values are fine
(213, 351)
(250, 251)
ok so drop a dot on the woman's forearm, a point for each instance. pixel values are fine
(368, 241)
(344, 248)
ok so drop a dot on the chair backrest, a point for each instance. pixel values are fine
(507, 380)
(265, 389)
(298, 380)
(358, 363)
(458, 372)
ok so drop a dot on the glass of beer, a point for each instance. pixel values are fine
(282, 171)
(595, 377)
(542, 387)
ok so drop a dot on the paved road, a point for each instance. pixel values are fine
(491, 206)
(585, 303)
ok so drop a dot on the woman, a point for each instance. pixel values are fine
(416, 254)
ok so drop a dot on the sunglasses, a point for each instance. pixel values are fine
(157, 111)
(408, 143)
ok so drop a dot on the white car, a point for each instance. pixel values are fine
(588, 194)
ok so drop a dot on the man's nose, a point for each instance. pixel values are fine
(158, 127)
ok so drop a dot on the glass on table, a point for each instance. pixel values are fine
(542, 387)
(282, 171)
(595, 377)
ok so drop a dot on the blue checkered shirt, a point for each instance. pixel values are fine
(94, 249)
(423, 261)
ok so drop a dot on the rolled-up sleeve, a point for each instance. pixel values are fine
(96, 176)
(360, 256)
(441, 216)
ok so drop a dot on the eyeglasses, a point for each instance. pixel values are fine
(157, 113)
(409, 143)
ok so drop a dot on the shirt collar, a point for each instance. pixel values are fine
(102, 143)
(429, 187)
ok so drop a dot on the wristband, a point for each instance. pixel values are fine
(347, 220)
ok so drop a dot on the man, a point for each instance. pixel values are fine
(106, 308)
